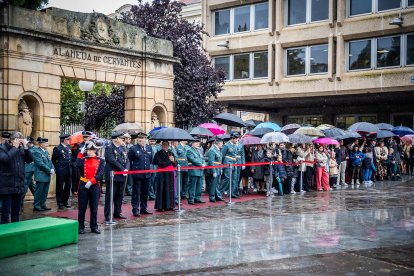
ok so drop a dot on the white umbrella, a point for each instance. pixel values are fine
(274, 137)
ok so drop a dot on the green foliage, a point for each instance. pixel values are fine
(29, 4)
(70, 97)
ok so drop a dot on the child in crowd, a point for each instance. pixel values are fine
(280, 173)
(392, 164)
(268, 172)
(356, 157)
(368, 167)
(333, 170)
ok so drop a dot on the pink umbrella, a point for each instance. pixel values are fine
(326, 141)
(214, 128)
(408, 138)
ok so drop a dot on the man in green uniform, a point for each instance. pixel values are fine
(182, 149)
(214, 175)
(195, 176)
(229, 154)
(240, 160)
(29, 170)
(42, 174)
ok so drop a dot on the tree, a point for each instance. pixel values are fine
(70, 98)
(104, 110)
(196, 83)
(28, 4)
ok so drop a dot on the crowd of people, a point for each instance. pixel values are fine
(83, 168)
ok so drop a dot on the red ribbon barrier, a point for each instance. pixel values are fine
(250, 164)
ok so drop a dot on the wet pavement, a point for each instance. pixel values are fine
(345, 232)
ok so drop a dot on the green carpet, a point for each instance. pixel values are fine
(36, 234)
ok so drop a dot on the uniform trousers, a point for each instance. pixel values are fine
(119, 187)
(40, 196)
(90, 196)
(63, 185)
(139, 197)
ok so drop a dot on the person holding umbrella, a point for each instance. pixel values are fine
(92, 169)
(229, 154)
(214, 175)
(164, 185)
(195, 158)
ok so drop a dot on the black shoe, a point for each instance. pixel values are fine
(95, 230)
(120, 216)
(67, 206)
(81, 231)
(183, 197)
(151, 198)
(61, 207)
(136, 214)
(145, 212)
(219, 199)
(235, 196)
(191, 203)
(38, 210)
(212, 200)
(46, 208)
(199, 201)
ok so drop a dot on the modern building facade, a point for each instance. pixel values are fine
(315, 61)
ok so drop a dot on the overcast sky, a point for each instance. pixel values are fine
(102, 6)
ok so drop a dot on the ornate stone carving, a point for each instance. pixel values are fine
(154, 120)
(25, 120)
(99, 30)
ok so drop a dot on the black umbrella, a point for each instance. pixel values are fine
(333, 132)
(252, 122)
(229, 119)
(201, 131)
(300, 139)
(259, 132)
(172, 134)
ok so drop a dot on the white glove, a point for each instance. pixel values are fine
(243, 167)
(83, 149)
(88, 185)
(214, 175)
(125, 171)
(203, 165)
(52, 171)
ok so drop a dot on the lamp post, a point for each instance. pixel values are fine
(86, 86)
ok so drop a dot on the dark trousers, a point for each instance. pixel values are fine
(119, 188)
(63, 184)
(10, 205)
(90, 196)
(213, 186)
(309, 176)
(140, 194)
(183, 184)
(194, 189)
(30, 183)
(151, 188)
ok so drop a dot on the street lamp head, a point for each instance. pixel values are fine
(224, 44)
(398, 21)
(86, 86)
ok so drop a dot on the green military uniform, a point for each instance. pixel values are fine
(229, 154)
(182, 161)
(240, 160)
(214, 175)
(29, 169)
(195, 176)
(42, 172)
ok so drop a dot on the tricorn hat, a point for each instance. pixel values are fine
(64, 136)
(41, 140)
(92, 146)
(30, 139)
(86, 133)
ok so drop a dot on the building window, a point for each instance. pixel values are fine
(359, 7)
(345, 121)
(296, 61)
(306, 11)
(307, 60)
(243, 66)
(222, 22)
(410, 49)
(388, 51)
(241, 19)
(304, 120)
(406, 119)
(223, 63)
(381, 52)
(359, 54)
(261, 16)
(384, 5)
(318, 59)
(260, 65)
(314, 120)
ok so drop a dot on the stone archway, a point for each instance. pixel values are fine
(38, 48)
